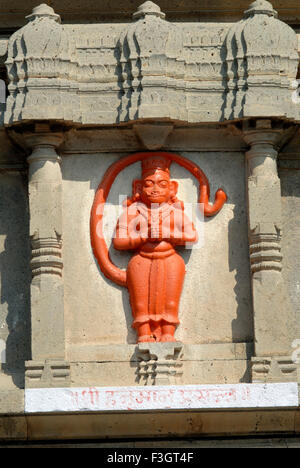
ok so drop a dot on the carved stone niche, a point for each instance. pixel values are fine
(160, 363)
(152, 225)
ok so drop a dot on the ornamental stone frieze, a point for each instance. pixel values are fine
(152, 69)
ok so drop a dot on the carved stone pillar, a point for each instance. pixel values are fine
(48, 366)
(273, 320)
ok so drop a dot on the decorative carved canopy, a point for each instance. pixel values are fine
(152, 69)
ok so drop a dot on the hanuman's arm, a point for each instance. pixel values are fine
(131, 231)
(184, 230)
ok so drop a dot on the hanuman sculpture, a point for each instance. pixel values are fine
(152, 224)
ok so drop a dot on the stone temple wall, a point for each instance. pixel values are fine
(218, 91)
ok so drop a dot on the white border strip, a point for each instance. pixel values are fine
(184, 397)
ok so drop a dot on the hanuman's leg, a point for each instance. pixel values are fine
(175, 272)
(144, 333)
(168, 332)
(138, 273)
(156, 330)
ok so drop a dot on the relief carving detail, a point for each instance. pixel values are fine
(152, 225)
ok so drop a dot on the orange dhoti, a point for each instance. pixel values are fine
(155, 280)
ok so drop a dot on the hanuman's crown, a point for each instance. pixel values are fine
(152, 163)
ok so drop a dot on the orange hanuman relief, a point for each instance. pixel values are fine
(152, 224)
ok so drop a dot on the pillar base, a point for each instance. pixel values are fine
(159, 363)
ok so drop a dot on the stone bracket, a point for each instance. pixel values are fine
(159, 363)
(153, 136)
(48, 373)
(274, 369)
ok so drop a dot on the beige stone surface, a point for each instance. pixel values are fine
(14, 272)
(290, 246)
(161, 424)
(13, 428)
(138, 426)
(3, 47)
(123, 139)
(217, 372)
(11, 400)
(126, 373)
(112, 365)
(128, 352)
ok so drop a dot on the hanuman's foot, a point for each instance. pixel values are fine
(146, 339)
(167, 338)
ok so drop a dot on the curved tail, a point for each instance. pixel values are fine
(204, 190)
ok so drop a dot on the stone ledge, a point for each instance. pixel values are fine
(13, 12)
(11, 401)
(127, 352)
(166, 398)
(245, 416)
(201, 137)
(159, 424)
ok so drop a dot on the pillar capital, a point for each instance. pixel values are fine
(43, 138)
(263, 132)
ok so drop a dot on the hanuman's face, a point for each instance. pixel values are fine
(156, 188)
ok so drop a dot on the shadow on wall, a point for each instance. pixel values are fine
(242, 325)
(237, 233)
(290, 189)
(15, 276)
